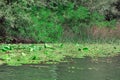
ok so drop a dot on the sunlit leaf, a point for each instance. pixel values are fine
(23, 54)
(6, 48)
(61, 45)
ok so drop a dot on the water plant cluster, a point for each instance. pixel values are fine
(50, 23)
(15, 55)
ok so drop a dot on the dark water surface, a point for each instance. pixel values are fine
(75, 69)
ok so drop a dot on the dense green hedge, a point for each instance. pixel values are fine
(43, 20)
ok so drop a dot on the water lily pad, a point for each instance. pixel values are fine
(6, 48)
(79, 49)
(61, 45)
(48, 46)
(85, 49)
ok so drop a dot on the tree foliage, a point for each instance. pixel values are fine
(43, 20)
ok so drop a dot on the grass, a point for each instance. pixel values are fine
(19, 54)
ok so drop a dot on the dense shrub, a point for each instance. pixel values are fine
(13, 16)
(44, 20)
(45, 26)
(33, 22)
(81, 19)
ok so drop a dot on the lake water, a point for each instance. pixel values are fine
(76, 69)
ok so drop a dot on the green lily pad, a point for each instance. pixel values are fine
(79, 49)
(48, 46)
(85, 49)
(6, 48)
(61, 45)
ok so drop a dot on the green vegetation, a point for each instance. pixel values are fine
(19, 54)
(53, 22)
(47, 21)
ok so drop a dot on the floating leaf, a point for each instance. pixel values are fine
(77, 45)
(48, 46)
(31, 49)
(40, 48)
(61, 45)
(79, 49)
(114, 47)
(6, 48)
(34, 57)
(34, 48)
(46, 52)
(85, 49)
(23, 54)
(72, 67)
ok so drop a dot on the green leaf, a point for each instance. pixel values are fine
(48, 46)
(6, 48)
(61, 45)
(23, 54)
(85, 49)
(79, 49)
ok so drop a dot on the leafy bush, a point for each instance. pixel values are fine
(45, 20)
(46, 25)
(81, 19)
(33, 22)
(13, 17)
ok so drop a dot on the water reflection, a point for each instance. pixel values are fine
(36, 72)
(76, 69)
(87, 69)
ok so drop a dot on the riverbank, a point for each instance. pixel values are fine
(19, 54)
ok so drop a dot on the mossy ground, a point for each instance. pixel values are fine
(18, 54)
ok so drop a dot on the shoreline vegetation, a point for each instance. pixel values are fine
(52, 53)
(60, 29)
